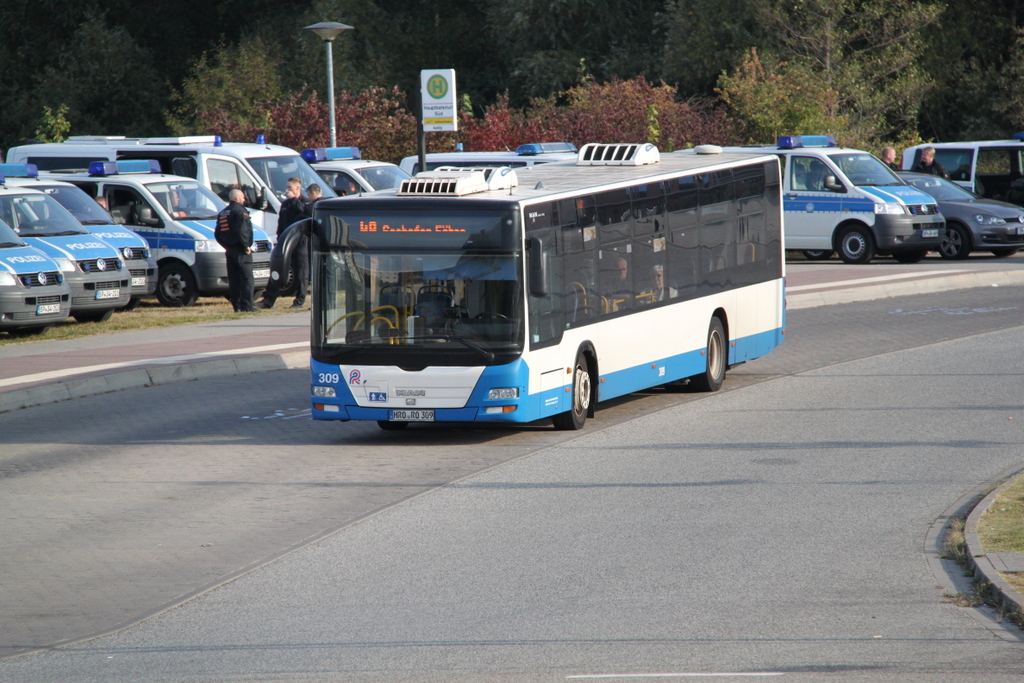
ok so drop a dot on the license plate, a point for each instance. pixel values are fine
(108, 294)
(138, 282)
(412, 415)
(930, 233)
(261, 273)
(1020, 230)
(44, 309)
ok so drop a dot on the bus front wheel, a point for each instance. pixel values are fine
(714, 373)
(582, 390)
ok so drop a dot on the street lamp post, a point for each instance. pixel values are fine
(329, 30)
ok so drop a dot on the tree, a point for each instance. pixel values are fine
(53, 127)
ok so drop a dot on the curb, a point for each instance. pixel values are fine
(149, 377)
(930, 285)
(1007, 597)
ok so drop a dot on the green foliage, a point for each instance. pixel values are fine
(236, 80)
(54, 127)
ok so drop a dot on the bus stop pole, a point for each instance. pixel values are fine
(421, 135)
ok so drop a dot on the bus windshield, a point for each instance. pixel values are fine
(464, 305)
(276, 171)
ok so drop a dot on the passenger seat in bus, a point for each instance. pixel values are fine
(431, 302)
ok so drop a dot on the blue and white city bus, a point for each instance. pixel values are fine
(497, 295)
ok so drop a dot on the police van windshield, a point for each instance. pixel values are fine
(9, 238)
(186, 199)
(83, 207)
(38, 215)
(864, 169)
(383, 177)
(275, 172)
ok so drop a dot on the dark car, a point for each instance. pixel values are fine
(973, 223)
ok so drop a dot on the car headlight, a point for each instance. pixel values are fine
(66, 265)
(989, 220)
(503, 393)
(8, 280)
(890, 208)
(208, 246)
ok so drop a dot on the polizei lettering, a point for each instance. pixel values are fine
(26, 259)
(86, 245)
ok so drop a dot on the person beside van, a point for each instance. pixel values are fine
(294, 208)
(928, 165)
(889, 158)
(234, 233)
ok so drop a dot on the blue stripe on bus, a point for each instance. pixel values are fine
(545, 404)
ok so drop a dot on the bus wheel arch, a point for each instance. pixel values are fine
(716, 356)
(583, 390)
(854, 242)
(176, 284)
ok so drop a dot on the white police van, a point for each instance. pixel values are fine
(846, 200)
(133, 248)
(991, 168)
(524, 155)
(346, 172)
(33, 293)
(260, 170)
(177, 217)
(99, 280)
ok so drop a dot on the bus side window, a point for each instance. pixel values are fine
(547, 313)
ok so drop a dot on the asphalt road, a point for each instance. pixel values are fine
(773, 530)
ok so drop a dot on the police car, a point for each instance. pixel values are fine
(176, 216)
(524, 155)
(33, 293)
(991, 168)
(134, 250)
(99, 280)
(260, 170)
(846, 200)
(346, 172)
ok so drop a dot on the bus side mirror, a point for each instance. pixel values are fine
(832, 185)
(540, 268)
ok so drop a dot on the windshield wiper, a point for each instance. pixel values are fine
(7, 245)
(94, 222)
(450, 337)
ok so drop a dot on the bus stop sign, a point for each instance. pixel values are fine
(437, 93)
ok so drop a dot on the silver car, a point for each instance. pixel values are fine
(973, 223)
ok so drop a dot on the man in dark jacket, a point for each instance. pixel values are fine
(293, 208)
(927, 164)
(234, 233)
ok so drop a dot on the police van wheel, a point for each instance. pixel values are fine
(176, 286)
(714, 373)
(582, 392)
(94, 317)
(856, 245)
(817, 254)
(389, 426)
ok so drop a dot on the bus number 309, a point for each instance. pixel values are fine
(328, 378)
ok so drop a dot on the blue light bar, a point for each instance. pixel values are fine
(798, 141)
(545, 148)
(105, 168)
(19, 170)
(331, 154)
(1018, 136)
(261, 139)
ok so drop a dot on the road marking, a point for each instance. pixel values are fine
(678, 675)
(870, 280)
(68, 372)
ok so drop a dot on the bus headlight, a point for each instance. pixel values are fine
(325, 392)
(66, 265)
(890, 208)
(207, 246)
(503, 394)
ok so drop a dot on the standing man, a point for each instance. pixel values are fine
(889, 158)
(293, 209)
(234, 233)
(929, 165)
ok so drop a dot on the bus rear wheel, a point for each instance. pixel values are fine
(582, 390)
(714, 373)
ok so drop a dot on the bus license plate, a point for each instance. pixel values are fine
(45, 309)
(108, 294)
(412, 415)
(930, 233)
(261, 274)
(138, 282)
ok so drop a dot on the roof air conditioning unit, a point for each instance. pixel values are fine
(622, 154)
(450, 181)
